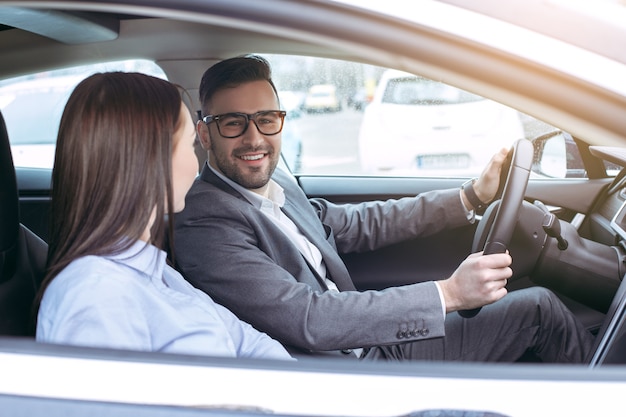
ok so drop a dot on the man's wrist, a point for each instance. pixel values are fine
(472, 198)
(449, 300)
(442, 298)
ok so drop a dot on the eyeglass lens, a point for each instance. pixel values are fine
(235, 124)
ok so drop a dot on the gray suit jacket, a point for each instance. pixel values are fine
(231, 250)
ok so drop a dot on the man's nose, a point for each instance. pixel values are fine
(252, 133)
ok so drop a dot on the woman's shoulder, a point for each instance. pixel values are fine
(88, 266)
(96, 274)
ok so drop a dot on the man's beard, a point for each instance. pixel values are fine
(252, 178)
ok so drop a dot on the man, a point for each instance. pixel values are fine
(251, 239)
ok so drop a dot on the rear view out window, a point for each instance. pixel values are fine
(32, 106)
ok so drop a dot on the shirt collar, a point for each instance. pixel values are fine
(276, 193)
(143, 257)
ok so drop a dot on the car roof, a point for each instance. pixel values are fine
(472, 45)
(580, 23)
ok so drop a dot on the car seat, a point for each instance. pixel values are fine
(22, 253)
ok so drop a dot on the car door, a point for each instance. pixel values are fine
(434, 257)
(424, 259)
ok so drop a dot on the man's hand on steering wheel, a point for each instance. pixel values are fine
(478, 281)
(496, 227)
(486, 186)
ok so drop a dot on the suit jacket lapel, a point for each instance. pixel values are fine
(302, 214)
(299, 210)
(208, 176)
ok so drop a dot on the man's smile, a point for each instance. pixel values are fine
(253, 157)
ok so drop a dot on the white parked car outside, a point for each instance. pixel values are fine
(322, 98)
(419, 126)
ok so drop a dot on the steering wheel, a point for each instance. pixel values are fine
(496, 227)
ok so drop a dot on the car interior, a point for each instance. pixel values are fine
(22, 253)
(594, 258)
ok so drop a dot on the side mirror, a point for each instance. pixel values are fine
(556, 155)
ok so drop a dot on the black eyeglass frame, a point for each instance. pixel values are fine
(208, 119)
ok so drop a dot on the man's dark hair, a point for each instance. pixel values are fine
(231, 73)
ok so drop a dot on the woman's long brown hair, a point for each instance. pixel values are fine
(112, 168)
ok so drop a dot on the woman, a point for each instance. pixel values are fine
(124, 162)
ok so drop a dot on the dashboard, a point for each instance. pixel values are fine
(611, 213)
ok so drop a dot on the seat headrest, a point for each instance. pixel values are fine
(9, 209)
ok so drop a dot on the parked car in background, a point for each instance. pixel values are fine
(418, 126)
(322, 98)
(359, 99)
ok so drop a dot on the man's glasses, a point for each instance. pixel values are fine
(232, 125)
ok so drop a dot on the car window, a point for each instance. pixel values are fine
(32, 106)
(347, 118)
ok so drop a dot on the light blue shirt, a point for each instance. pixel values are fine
(136, 301)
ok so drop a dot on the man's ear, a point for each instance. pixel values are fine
(203, 135)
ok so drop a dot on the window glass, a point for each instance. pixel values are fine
(346, 118)
(32, 106)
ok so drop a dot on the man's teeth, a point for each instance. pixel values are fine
(251, 157)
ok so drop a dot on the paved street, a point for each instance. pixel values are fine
(330, 142)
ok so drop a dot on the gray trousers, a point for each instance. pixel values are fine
(530, 320)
